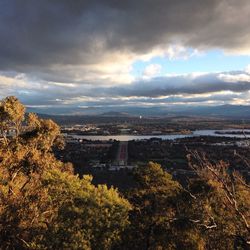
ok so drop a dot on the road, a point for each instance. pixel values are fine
(122, 156)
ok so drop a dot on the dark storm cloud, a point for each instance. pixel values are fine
(182, 84)
(38, 34)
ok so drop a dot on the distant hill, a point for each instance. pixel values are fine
(234, 111)
(115, 114)
(121, 114)
(83, 119)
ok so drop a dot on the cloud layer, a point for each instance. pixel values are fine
(58, 52)
(61, 32)
(188, 89)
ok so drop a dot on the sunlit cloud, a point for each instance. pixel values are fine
(152, 70)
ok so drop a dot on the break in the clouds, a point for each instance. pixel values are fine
(109, 52)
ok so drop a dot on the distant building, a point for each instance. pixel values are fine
(117, 168)
(243, 144)
(156, 132)
(125, 130)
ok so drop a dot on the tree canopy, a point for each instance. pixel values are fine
(43, 205)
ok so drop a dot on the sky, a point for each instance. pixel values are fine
(85, 54)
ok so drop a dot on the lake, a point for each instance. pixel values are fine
(163, 137)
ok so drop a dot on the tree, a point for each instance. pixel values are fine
(88, 217)
(11, 115)
(229, 202)
(211, 212)
(42, 204)
(155, 218)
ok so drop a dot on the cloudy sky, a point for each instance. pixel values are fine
(113, 53)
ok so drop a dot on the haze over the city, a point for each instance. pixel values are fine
(83, 56)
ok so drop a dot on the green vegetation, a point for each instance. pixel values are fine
(212, 213)
(43, 205)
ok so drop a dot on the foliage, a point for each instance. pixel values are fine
(153, 219)
(88, 216)
(212, 212)
(11, 114)
(42, 204)
(228, 203)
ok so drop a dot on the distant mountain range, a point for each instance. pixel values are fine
(228, 111)
(234, 111)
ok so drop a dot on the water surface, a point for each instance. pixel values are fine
(163, 137)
